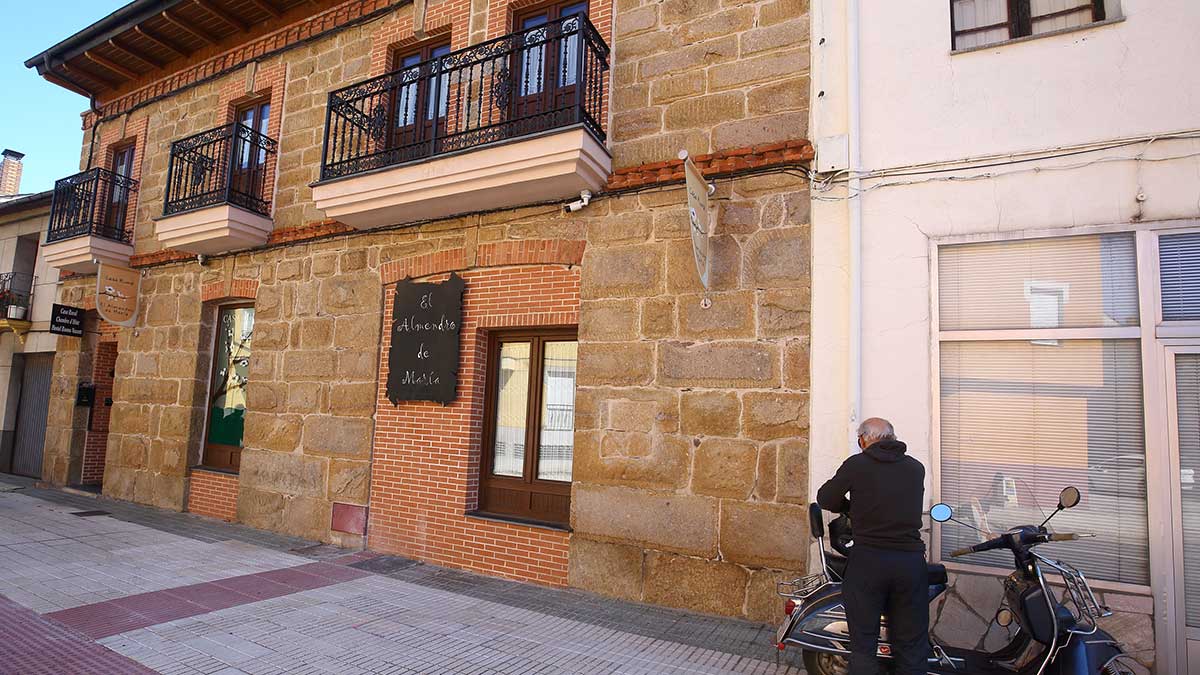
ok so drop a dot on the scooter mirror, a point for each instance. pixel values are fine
(941, 512)
(1068, 498)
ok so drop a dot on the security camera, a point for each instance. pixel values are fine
(585, 196)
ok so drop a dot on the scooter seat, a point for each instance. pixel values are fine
(837, 565)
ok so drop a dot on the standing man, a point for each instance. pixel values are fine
(887, 573)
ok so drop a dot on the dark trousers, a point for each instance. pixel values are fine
(892, 583)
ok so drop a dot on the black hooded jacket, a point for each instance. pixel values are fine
(887, 496)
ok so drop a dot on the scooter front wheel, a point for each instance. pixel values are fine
(824, 663)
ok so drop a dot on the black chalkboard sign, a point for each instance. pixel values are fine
(66, 320)
(423, 359)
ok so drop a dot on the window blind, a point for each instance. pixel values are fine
(1020, 421)
(1179, 273)
(1092, 280)
(1187, 397)
(971, 14)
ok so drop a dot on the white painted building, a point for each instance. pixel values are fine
(28, 288)
(1017, 246)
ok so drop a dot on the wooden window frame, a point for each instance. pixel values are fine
(1020, 19)
(119, 220)
(205, 462)
(528, 483)
(423, 127)
(552, 91)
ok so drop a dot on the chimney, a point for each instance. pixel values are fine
(10, 172)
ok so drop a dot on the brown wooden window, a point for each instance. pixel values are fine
(548, 69)
(118, 194)
(250, 166)
(529, 422)
(227, 393)
(975, 23)
(416, 114)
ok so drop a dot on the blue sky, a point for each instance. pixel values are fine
(38, 118)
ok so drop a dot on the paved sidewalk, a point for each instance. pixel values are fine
(116, 588)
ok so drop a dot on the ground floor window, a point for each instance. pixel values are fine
(529, 425)
(1040, 374)
(227, 393)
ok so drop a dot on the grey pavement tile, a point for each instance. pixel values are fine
(406, 617)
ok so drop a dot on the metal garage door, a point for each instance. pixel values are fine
(31, 415)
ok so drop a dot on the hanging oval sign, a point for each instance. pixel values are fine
(117, 294)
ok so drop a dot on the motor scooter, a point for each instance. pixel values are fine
(1052, 635)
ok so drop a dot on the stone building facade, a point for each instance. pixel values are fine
(688, 470)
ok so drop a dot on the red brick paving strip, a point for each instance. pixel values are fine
(33, 645)
(131, 612)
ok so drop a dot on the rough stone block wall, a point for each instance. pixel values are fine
(707, 75)
(67, 423)
(692, 424)
(96, 446)
(213, 494)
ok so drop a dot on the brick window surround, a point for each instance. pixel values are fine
(118, 135)
(426, 456)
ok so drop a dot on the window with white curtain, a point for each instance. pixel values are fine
(975, 23)
(1179, 272)
(1027, 409)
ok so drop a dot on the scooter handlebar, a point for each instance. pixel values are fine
(1069, 536)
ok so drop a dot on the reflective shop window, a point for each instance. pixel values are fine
(227, 392)
(1024, 412)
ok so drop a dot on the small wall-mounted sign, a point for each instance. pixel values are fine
(698, 190)
(117, 294)
(66, 320)
(423, 358)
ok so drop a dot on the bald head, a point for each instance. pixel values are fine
(875, 429)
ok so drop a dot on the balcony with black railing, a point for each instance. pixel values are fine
(16, 291)
(218, 196)
(509, 121)
(90, 220)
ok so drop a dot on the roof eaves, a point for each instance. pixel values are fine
(99, 32)
(26, 202)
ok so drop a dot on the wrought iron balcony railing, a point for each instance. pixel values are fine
(94, 202)
(16, 290)
(536, 80)
(225, 165)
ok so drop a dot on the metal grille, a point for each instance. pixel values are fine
(225, 165)
(535, 80)
(30, 434)
(94, 202)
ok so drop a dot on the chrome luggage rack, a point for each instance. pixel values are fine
(1077, 588)
(801, 587)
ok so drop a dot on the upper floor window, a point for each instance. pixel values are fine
(417, 113)
(118, 197)
(975, 23)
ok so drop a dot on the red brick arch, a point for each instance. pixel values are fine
(500, 254)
